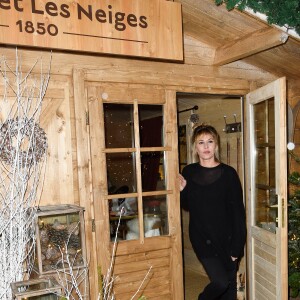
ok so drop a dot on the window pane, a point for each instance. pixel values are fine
(153, 171)
(155, 216)
(118, 124)
(121, 173)
(56, 232)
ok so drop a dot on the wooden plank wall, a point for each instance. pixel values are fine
(57, 118)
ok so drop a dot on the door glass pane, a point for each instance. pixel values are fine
(152, 162)
(128, 226)
(264, 157)
(260, 117)
(153, 171)
(262, 172)
(151, 125)
(118, 124)
(121, 172)
(272, 166)
(155, 216)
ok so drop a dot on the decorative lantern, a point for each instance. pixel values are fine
(42, 289)
(60, 238)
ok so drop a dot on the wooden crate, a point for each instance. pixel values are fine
(43, 288)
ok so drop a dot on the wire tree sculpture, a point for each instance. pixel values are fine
(23, 144)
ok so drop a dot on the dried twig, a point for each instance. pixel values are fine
(138, 290)
(72, 278)
(107, 293)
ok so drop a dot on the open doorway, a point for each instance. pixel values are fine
(225, 114)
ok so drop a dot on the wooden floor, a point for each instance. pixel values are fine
(194, 284)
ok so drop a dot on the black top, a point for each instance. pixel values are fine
(214, 198)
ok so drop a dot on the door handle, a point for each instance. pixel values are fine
(273, 206)
(282, 211)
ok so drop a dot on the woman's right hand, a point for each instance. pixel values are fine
(182, 182)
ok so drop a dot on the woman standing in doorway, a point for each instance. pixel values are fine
(211, 191)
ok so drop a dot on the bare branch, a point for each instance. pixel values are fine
(21, 168)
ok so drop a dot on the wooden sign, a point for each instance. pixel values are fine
(144, 28)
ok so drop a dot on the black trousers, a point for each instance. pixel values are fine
(222, 284)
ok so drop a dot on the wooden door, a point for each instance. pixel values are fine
(266, 192)
(134, 162)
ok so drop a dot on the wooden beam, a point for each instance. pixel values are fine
(253, 43)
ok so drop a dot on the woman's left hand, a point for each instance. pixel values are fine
(233, 258)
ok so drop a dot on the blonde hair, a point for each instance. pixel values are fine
(207, 129)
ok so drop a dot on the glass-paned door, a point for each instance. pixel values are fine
(134, 157)
(266, 191)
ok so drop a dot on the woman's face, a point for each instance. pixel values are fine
(206, 146)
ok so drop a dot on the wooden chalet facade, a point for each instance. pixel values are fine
(224, 53)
